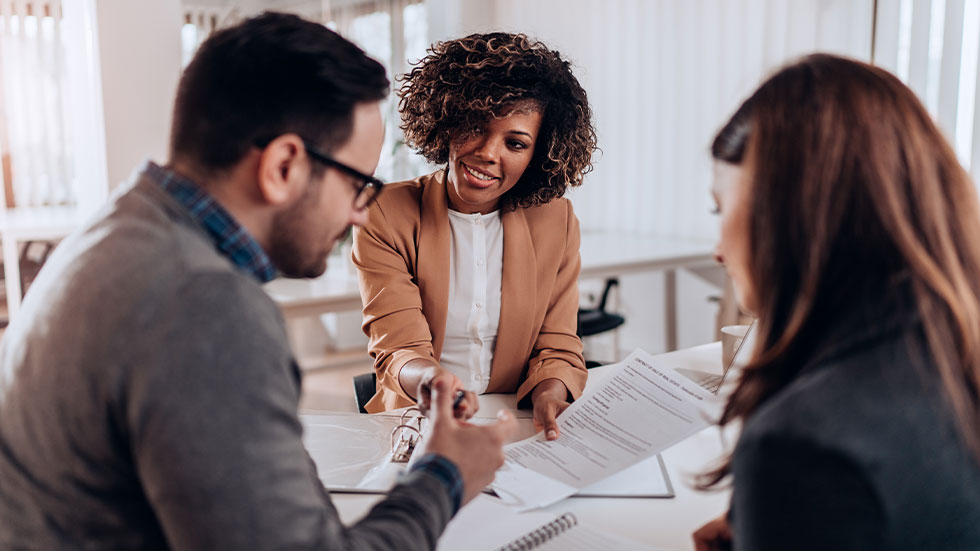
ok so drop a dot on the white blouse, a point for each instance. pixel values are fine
(476, 257)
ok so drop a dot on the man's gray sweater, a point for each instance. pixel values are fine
(148, 399)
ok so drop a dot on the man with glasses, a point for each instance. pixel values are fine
(369, 186)
(148, 395)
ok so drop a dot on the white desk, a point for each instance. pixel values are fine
(31, 224)
(334, 291)
(604, 254)
(661, 523)
(611, 254)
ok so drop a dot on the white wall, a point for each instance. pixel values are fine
(453, 18)
(662, 76)
(139, 66)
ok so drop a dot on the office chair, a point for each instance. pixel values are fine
(365, 385)
(592, 321)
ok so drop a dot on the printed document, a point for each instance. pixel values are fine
(641, 408)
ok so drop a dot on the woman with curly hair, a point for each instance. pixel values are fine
(471, 272)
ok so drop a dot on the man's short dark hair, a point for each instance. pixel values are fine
(267, 76)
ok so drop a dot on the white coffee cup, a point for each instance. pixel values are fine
(731, 337)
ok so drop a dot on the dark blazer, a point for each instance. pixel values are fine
(861, 451)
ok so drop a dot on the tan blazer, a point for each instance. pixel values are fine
(402, 259)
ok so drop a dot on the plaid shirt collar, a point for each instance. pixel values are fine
(229, 237)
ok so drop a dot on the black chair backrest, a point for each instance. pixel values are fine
(610, 283)
(592, 321)
(365, 385)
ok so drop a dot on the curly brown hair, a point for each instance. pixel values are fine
(461, 84)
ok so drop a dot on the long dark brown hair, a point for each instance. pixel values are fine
(851, 183)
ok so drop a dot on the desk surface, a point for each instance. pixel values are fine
(39, 223)
(32, 224)
(334, 291)
(661, 523)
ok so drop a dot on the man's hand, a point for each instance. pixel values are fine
(713, 536)
(476, 450)
(550, 399)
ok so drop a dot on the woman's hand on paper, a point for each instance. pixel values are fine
(714, 536)
(476, 450)
(550, 398)
(466, 407)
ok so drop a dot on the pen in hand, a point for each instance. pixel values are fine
(457, 401)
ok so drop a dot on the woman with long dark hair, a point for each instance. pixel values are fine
(853, 234)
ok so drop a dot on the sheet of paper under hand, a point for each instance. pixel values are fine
(640, 409)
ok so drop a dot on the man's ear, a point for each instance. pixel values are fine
(284, 170)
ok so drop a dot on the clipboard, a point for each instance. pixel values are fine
(646, 479)
(358, 453)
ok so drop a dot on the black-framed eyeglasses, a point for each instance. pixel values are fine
(368, 189)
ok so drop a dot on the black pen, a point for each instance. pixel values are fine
(459, 399)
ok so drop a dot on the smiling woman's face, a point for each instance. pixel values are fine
(488, 164)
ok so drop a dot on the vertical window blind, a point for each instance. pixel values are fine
(932, 45)
(34, 108)
(391, 31)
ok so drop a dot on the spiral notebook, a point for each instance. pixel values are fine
(566, 534)
(487, 524)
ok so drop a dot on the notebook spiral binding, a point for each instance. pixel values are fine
(542, 535)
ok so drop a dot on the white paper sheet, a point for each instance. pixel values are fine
(642, 408)
(487, 524)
